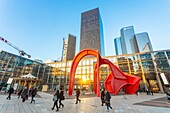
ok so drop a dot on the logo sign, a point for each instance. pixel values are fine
(164, 79)
(10, 80)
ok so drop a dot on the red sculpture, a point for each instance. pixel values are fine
(114, 82)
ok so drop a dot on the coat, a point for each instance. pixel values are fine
(24, 93)
(108, 97)
(11, 90)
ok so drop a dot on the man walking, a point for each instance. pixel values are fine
(10, 91)
(61, 98)
(77, 96)
(103, 96)
(33, 93)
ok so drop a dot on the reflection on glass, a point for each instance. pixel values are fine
(146, 56)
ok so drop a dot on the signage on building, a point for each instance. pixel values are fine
(10, 80)
(164, 79)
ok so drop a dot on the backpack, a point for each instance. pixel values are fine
(55, 98)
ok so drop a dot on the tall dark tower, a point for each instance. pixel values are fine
(92, 31)
(69, 47)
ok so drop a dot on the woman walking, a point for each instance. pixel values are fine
(108, 97)
(55, 99)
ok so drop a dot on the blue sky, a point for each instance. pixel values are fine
(38, 26)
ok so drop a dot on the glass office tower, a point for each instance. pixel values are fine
(127, 33)
(92, 31)
(141, 43)
(118, 47)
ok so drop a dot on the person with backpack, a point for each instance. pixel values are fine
(55, 99)
(107, 101)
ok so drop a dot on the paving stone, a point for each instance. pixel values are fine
(90, 104)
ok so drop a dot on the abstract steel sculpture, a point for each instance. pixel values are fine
(113, 83)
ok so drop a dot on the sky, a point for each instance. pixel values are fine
(39, 26)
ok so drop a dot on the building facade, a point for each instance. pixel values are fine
(147, 65)
(141, 43)
(91, 35)
(118, 47)
(14, 66)
(69, 48)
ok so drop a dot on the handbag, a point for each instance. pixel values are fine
(62, 98)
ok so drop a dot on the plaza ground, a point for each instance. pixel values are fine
(90, 104)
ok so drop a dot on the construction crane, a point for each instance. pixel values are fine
(21, 52)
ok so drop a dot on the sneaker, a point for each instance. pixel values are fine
(57, 110)
(52, 108)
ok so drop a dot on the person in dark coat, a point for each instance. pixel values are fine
(30, 91)
(103, 96)
(33, 93)
(61, 98)
(24, 94)
(55, 99)
(108, 97)
(77, 96)
(20, 91)
(10, 91)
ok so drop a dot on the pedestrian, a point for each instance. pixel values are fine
(24, 94)
(55, 99)
(103, 96)
(20, 91)
(147, 91)
(10, 91)
(136, 92)
(30, 91)
(0, 88)
(77, 96)
(61, 98)
(107, 101)
(152, 92)
(33, 93)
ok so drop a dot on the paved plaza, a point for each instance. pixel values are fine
(90, 104)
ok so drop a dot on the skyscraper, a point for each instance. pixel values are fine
(127, 33)
(92, 31)
(118, 47)
(141, 43)
(69, 48)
